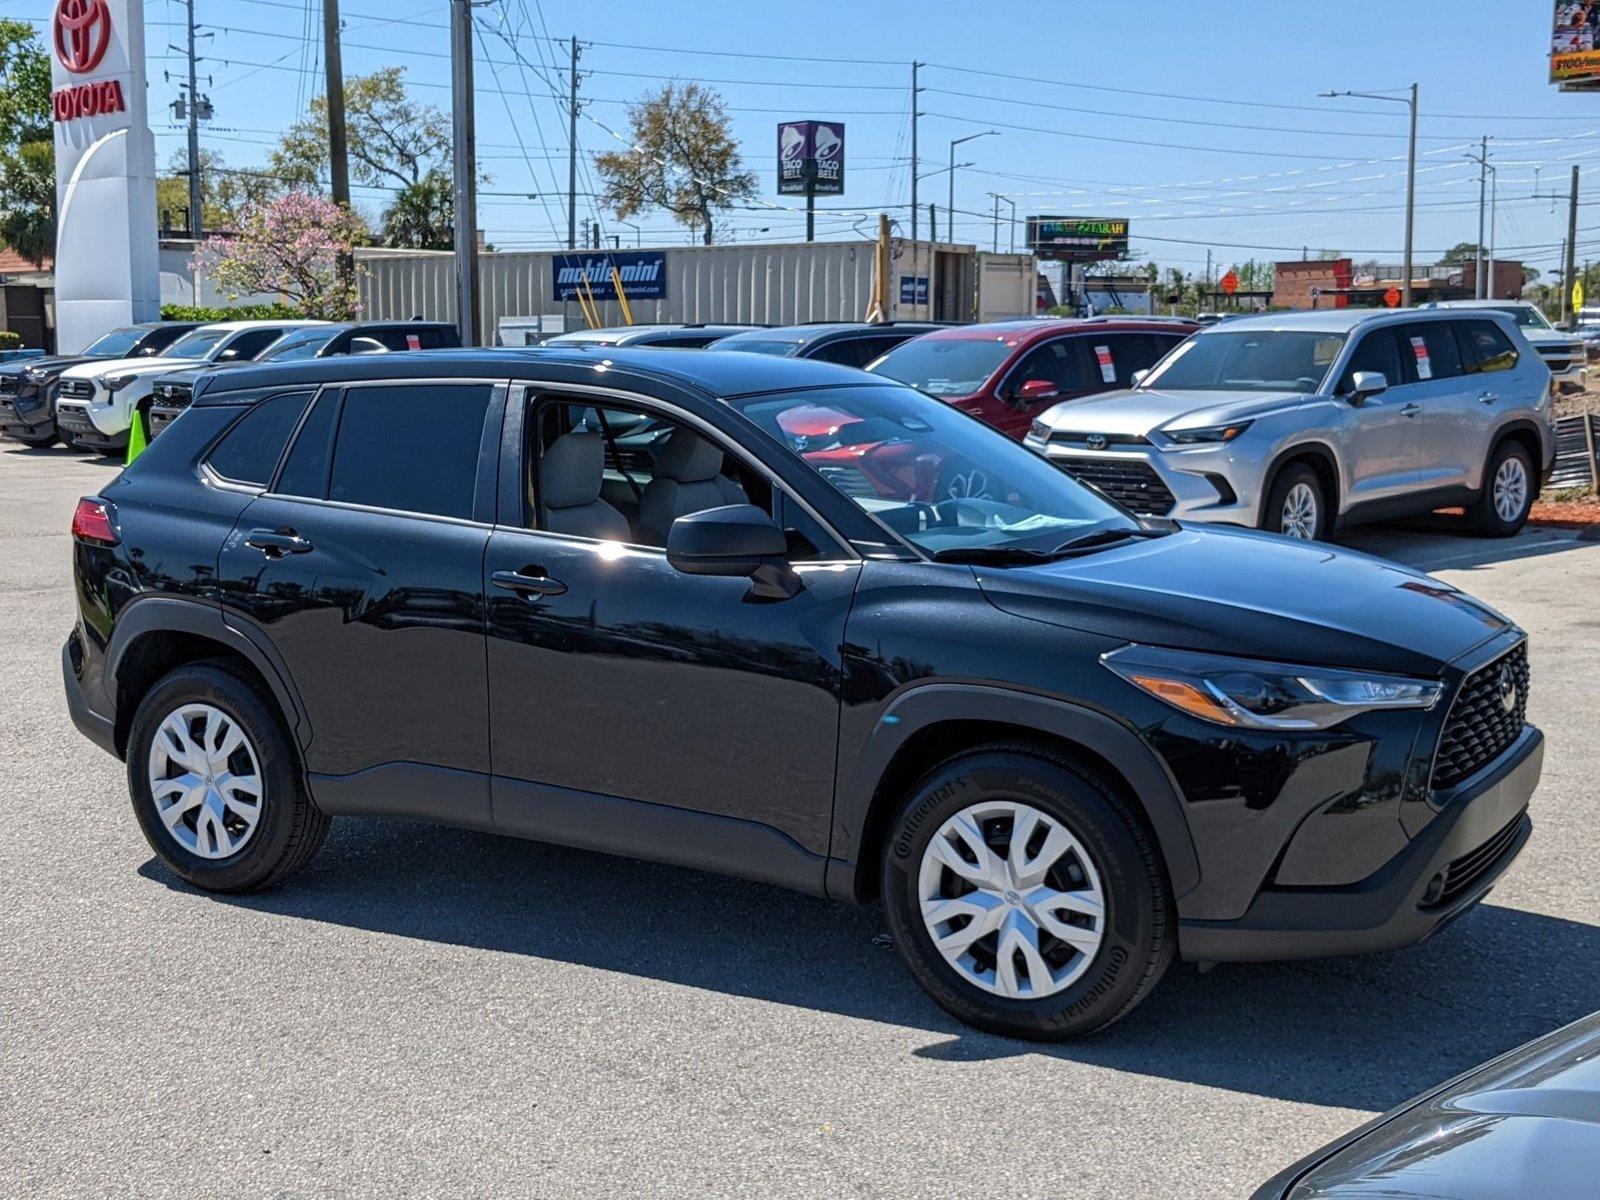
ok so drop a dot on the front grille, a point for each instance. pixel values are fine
(1078, 438)
(1487, 716)
(167, 408)
(75, 389)
(75, 420)
(1465, 871)
(1130, 482)
(9, 384)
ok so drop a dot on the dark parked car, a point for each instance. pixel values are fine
(1523, 1126)
(848, 343)
(683, 337)
(1008, 372)
(172, 393)
(1061, 743)
(27, 389)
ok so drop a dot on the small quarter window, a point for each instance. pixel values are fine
(250, 450)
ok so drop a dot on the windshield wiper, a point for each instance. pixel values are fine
(999, 555)
(1102, 537)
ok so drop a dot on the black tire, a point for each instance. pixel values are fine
(1296, 475)
(1485, 513)
(1140, 926)
(290, 827)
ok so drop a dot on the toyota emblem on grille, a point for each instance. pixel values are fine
(1508, 688)
(1095, 441)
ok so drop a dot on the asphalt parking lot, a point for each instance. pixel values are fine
(442, 1013)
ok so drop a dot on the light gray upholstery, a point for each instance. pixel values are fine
(685, 478)
(570, 474)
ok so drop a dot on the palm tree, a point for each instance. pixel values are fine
(422, 216)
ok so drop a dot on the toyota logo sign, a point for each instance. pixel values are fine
(82, 33)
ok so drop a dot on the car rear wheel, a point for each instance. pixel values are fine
(1508, 492)
(1024, 895)
(1296, 506)
(215, 781)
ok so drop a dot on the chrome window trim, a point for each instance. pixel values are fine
(674, 412)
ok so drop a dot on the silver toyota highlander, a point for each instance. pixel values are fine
(1302, 422)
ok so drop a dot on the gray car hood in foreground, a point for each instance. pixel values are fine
(1137, 411)
(1524, 1126)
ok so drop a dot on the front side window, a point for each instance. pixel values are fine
(1268, 360)
(250, 450)
(248, 344)
(411, 447)
(946, 483)
(1063, 362)
(292, 346)
(197, 343)
(1375, 351)
(945, 366)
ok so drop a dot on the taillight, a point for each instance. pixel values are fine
(92, 523)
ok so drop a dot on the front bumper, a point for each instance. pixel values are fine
(77, 419)
(1469, 846)
(27, 415)
(1200, 483)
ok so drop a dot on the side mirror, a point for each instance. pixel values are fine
(735, 540)
(1365, 384)
(1035, 390)
(1138, 376)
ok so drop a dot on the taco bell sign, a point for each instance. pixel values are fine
(107, 268)
(811, 158)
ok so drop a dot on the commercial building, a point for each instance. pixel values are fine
(1342, 283)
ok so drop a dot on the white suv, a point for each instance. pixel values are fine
(95, 401)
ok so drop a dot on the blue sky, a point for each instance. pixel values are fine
(1103, 109)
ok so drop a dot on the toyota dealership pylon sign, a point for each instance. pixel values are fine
(107, 266)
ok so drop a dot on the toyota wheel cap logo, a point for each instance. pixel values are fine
(82, 32)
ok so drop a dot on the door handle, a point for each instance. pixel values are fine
(1488, 398)
(529, 579)
(275, 543)
(1410, 410)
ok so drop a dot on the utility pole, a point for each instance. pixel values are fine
(994, 241)
(572, 151)
(338, 146)
(1483, 180)
(196, 225)
(1569, 318)
(466, 171)
(916, 97)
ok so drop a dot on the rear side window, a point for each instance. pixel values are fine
(410, 447)
(305, 471)
(1376, 351)
(1484, 347)
(250, 449)
(1063, 362)
(1428, 350)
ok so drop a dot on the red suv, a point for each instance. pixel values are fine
(1007, 372)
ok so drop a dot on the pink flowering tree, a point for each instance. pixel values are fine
(297, 245)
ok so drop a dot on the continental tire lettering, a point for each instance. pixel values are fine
(914, 819)
(1115, 961)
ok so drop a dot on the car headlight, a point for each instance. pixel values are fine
(1210, 433)
(1247, 693)
(115, 383)
(1039, 430)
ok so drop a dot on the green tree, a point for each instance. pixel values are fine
(27, 144)
(225, 193)
(682, 159)
(1461, 252)
(422, 215)
(394, 141)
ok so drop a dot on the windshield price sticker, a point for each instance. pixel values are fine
(1108, 369)
(1424, 364)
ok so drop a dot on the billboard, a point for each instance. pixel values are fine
(1575, 42)
(643, 274)
(811, 158)
(1078, 239)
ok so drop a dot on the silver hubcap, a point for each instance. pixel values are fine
(1012, 900)
(1299, 518)
(1510, 489)
(205, 780)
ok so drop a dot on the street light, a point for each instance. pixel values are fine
(1411, 174)
(637, 233)
(950, 208)
(998, 200)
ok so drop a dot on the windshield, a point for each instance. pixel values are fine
(119, 343)
(1527, 318)
(939, 479)
(196, 344)
(945, 366)
(296, 345)
(1268, 360)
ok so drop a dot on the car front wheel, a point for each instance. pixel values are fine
(1508, 492)
(215, 781)
(1296, 506)
(1024, 895)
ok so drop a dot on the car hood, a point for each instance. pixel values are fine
(1526, 1124)
(1542, 338)
(94, 368)
(1137, 411)
(1253, 594)
(54, 364)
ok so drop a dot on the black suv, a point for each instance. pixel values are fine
(1063, 744)
(848, 343)
(27, 388)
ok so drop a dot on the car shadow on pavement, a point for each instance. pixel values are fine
(1360, 1033)
(92, 457)
(1444, 542)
